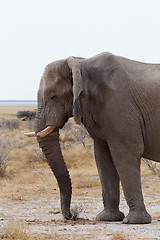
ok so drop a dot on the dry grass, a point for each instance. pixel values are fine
(27, 173)
(89, 178)
(119, 236)
(79, 157)
(19, 231)
(14, 231)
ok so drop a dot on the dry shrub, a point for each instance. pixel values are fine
(119, 236)
(154, 166)
(5, 149)
(72, 135)
(26, 115)
(75, 211)
(9, 124)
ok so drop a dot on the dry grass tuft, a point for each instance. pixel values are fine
(119, 236)
(14, 231)
(17, 231)
(75, 211)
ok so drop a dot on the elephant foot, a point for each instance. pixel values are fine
(137, 218)
(67, 215)
(107, 215)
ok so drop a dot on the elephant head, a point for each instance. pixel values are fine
(59, 91)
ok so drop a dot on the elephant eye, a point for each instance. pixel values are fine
(53, 97)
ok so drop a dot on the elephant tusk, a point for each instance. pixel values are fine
(42, 133)
(30, 134)
(45, 132)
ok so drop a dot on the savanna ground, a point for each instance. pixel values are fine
(29, 195)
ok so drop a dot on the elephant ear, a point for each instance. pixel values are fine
(77, 88)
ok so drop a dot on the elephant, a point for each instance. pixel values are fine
(118, 102)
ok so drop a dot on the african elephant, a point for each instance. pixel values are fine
(118, 102)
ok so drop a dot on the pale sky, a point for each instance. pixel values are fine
(34, 33)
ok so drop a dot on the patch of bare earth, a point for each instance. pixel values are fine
(29, 202)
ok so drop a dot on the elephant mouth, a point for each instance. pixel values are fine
(45, 132)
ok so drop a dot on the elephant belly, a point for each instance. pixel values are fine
(152, 144)
(151, 156)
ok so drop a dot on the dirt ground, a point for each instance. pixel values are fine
(41, 215)
(29, 198)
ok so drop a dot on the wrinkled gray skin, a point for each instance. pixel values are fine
(118, 101)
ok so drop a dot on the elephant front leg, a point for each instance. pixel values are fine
(127, 163)
(110, 183)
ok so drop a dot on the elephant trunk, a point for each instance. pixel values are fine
(51, 147)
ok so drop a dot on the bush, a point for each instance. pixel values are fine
(9, 124)
(152, 165)
(26, 115)
(75, 211)
(73, 134)
(5, 149)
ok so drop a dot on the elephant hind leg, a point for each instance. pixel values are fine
(127, 163)
(110, 183)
